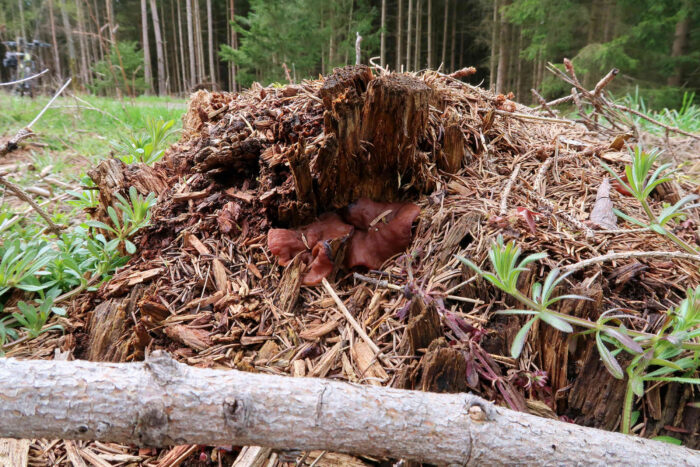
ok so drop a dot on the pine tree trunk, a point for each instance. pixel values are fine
(159, 49)
(148, 74)
(680, 40)
(382, 52)
(174, 67)
(419, 34)
(98, 30)
(408, 36)
(234, 44)
(68, 32)
(454, 34)
(519, 70)
(494, 35)
(166, 54)
(502, 74)
(21, 20)
(200, 46)
(399, 37)
(430, 34)
(183, 61)
(210, 44)
(190, 42)
(445, 24)
(83, 41)
(54, 42)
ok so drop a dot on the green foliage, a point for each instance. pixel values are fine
(136, 215)
(671, 354)
(686, 117)
(145, 147)
(298, 33)
(641, 184)
(33, 318)
(20, 264)
(124, 61)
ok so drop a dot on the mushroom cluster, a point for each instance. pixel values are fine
(375, 232)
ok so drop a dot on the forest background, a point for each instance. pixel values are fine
(162, 47)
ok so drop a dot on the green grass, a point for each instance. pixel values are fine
(686, 117)
(75, 134)
(72, 137)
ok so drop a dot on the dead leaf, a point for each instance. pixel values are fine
(602, 214)
(529, 217)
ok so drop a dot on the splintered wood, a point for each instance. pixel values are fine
(205, 286)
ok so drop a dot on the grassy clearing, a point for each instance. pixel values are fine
(71, 138)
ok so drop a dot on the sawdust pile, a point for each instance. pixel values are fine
(206, 287)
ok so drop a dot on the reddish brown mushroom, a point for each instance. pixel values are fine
(382, 230)
(286, 244)
(377, 232)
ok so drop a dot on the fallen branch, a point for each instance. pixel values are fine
(26, 132)
(656, 122)
(161, 402)
(29, 78)
(53, 227)
(630, 254)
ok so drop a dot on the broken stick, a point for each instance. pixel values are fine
(162, 402)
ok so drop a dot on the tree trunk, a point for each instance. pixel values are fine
(54, 42)
(159, 49)
(166, 52)
(183, 60)
(419, 28)
(21, 20)
(445, 24)
(83, 41)
(68, 32)
(199, 42)
(430, 34)
(679, 42)
(408, 35)
(148, 75)
(502, 74)
(162, 402)
(210, 44)
(190, 42)
(399, 36)
(454, 34)
(234, 44)
(519, 71)
(494, 35)
(382, 52)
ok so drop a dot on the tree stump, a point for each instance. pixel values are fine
(372, 137)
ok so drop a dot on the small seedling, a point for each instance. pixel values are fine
(640, 184)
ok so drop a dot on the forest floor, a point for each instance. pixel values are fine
(258, 316)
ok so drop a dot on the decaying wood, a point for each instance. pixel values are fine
(162, 402)
(113, 177)
(374, 134)
(205, 285)
(14, 452)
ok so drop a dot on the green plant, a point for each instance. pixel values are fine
(21, 262)
(673, 348)
(88, 198)
(640, 184)
(33, 318)
(146, 147)
(136, 214)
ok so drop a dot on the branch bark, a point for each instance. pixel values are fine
(161, 402)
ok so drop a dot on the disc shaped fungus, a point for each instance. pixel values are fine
(381, 231)
(377, 231)
(312, 242)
